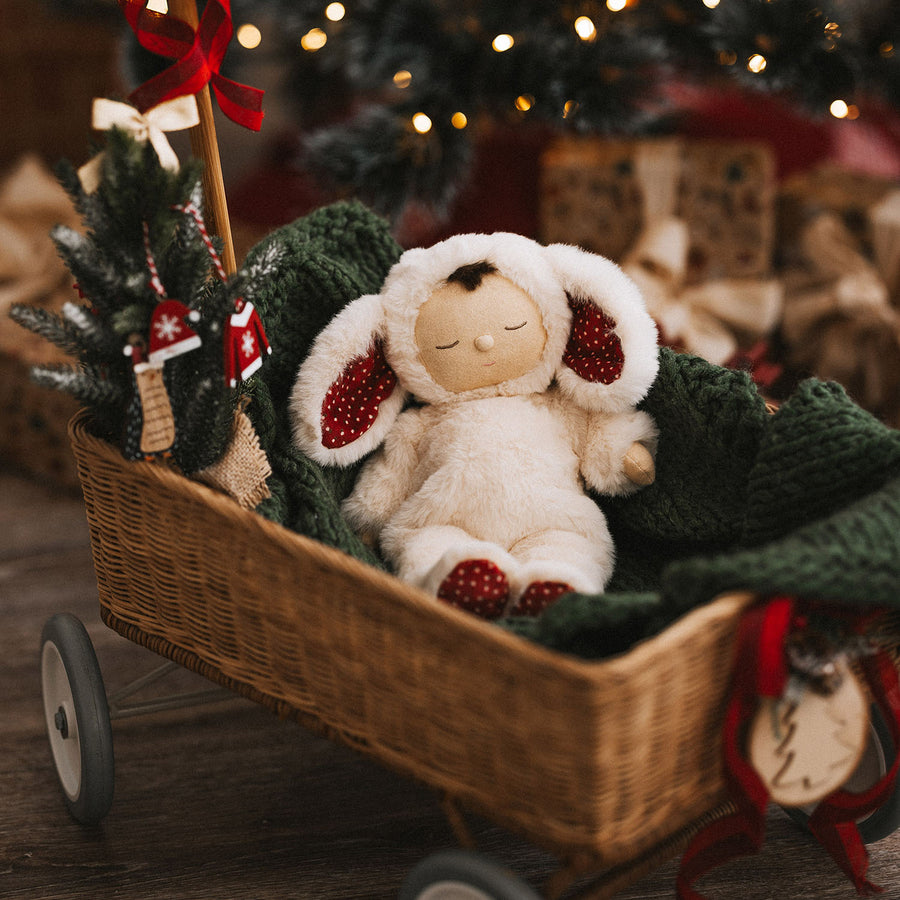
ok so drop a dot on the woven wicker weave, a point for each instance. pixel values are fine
(609, 759)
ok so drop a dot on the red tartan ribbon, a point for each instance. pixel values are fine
(761, 670)
(198, 56)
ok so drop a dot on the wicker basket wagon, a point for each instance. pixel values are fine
(612, 765)
(591, 760)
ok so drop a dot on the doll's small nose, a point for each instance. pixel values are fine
(484, 342)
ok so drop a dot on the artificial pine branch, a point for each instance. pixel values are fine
(59, 331)
(253, 275)
(95, 275)
(91, 334)
(111, 263)
(101, 394)
(378, 158)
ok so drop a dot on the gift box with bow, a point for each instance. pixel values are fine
(691, 221)
(842, 304)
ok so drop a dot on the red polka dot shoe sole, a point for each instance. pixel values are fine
(538, 596)
(477, 586)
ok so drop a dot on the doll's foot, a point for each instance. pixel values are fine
(477, 586)
(538, 596)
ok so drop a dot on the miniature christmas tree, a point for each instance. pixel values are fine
(161, 317)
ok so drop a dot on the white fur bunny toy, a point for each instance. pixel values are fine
(527, 362)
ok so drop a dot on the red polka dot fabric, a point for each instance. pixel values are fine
(594, 351)
(477, 586)
(351, 404)
(539, 596)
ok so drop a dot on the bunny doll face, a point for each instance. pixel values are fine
(474, 336)
(472, 317)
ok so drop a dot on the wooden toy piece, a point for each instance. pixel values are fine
(204, 145)
(807, 748)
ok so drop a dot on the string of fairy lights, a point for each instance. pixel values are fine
(314, 40)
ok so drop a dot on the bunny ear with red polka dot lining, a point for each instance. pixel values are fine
(351, 404)
(594, 351)
(611, 356)
(346, 396)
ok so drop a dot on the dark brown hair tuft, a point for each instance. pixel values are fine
(471, 274)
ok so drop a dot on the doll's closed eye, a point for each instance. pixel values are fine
(446, 346)
(515, 327)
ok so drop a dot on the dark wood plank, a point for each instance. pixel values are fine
(227, 801)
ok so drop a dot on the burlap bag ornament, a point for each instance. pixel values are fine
(243, 469)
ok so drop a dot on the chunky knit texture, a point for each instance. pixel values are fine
(328, 258)
(821, 520)
(806, 501)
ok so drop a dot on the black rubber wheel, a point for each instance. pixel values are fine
(877, 758)
(463, 875)
(77, 717)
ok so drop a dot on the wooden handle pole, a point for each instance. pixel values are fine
(205, 146)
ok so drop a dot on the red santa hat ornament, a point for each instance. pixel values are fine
(170, 336)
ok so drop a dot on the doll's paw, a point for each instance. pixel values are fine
(638, 465)
(477, 586)
(538, 596)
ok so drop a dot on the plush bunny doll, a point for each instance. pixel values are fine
(523, 365)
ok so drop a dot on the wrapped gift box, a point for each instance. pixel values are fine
(602, 194)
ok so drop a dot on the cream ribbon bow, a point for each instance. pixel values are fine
(173, 115)
(703, 318)
(843, 282)
(842, 311)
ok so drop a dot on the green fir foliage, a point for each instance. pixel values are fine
(356, 119)
(110, 267)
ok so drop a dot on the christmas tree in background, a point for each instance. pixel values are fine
(157, 340)
(389, 94)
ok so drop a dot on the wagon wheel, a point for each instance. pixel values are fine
(462, 875)
(77, 716)
(886, 819)
(877, 758)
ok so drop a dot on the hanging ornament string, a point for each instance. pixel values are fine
(244, 338)
(198, 53)
(170, 335)
(191, 210)
(155, 281)
(761, 671)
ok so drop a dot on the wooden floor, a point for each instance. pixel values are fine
(228, 802)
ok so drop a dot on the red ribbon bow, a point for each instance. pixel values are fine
(760, 670)
(198, 56)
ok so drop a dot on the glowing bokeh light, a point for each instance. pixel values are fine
(585, 28)
(314, 39)
(403, 78)
(839, 109)
(421, 123)
(524, 102)
(248, 36)
(756, 63)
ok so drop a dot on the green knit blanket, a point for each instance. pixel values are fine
(804, 502)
